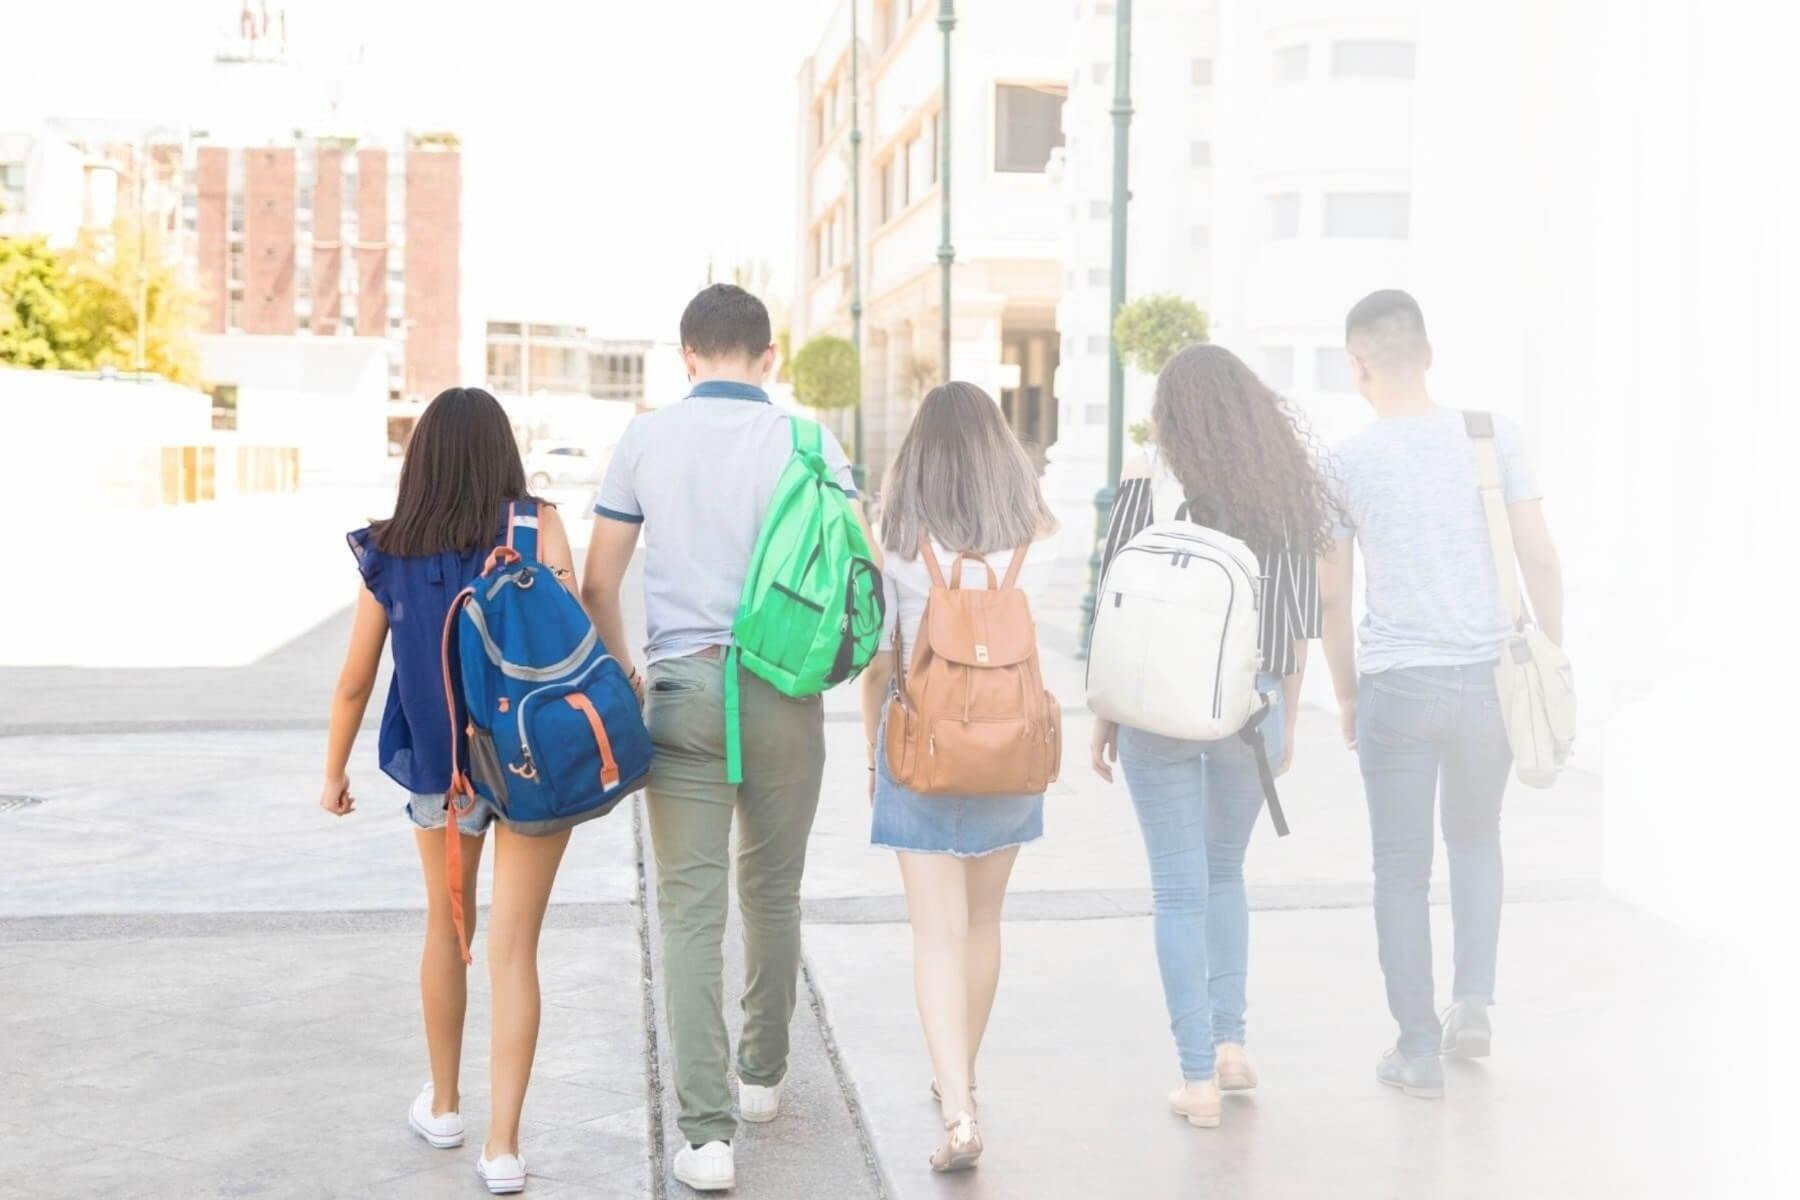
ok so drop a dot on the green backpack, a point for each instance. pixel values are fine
(812, 609)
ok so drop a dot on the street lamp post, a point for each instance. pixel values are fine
(946, 253)
(1115, 382)
(859, 466)
(146, 146)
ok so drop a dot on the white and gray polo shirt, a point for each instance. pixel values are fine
(698, 475)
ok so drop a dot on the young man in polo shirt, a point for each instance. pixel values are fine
(1417, 698)
(696, 478)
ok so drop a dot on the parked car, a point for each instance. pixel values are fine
(564, 464)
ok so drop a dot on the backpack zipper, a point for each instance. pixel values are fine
(567, 685)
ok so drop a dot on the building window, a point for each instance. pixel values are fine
(224, 405)
(1372, 60)
(616, 376)
(1102, 72)
(1293, 63)
(1098, 343)
(1202, 72)
(1200, 237)
(1099, 276)
(1332, 366)
(503, 362)
(1284, 215)
(1367, 214)
(12, 187)
(1278, 367)
(1200, 154)
(936, 153)
(886, 175)
(906, 173)
(1028, 126)
(1099, 210)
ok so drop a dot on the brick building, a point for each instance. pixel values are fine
(332, 238)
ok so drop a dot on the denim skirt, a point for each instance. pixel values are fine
(966, 826)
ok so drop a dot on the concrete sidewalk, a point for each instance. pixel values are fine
(207, 988)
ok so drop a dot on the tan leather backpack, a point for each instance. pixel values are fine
(970, 716)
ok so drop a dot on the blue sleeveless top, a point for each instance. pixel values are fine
(415, 591)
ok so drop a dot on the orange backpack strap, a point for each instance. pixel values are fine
(609, 766)
(1012, 569)
(460, 790)
(929, 556)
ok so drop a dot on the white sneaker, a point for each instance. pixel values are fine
(445, 1131)
(706, 1168)
(504, 1175)
(759, 1104)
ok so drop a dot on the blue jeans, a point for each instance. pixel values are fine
(1196, 804)
(1431, 736)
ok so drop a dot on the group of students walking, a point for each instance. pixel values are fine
(962, 739)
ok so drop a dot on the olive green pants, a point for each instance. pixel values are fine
(690, 808)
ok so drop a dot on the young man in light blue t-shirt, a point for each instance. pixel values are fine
(1416, 698)
(696, 478)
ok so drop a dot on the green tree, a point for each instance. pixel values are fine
(1153, 329)
(103, 274)
(36, 327)
(827, 374)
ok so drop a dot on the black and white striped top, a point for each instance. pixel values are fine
(1290, 604)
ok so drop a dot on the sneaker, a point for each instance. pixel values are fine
(1198, 1102)
(706, 1168)
(504, 1175)
(759, 1105)
(1467, 1031)
(443, 1130)
(1234, 1071)
(1420, 1075)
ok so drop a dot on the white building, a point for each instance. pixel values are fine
(1271, 148)
(1010, 78)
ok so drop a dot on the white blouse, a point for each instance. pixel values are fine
(908, 583)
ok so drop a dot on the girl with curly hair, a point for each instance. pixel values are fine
(1245, 465)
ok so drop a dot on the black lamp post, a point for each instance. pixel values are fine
(859, 469)
(946, 253)
(1115, 383)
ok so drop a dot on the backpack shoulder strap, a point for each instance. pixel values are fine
(808, 438)
(522, 529)
(1012, 568)
(1480, 427)
(928, 555)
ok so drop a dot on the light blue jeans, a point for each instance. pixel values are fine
(1432, 738)
(1197, 803)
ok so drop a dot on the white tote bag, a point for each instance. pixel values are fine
(1534, 678)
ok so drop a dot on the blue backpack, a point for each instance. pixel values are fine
(554, 731)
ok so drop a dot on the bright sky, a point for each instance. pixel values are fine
(610, 145)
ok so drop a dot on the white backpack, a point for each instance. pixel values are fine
(1176, 643)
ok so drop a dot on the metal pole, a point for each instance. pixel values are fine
(946, 252)
(858, 469)
(1115, 382)
(143, 263)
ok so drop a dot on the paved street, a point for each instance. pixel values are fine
(207, 988)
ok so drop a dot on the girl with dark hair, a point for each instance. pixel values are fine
(1243, 463)
(461, 476)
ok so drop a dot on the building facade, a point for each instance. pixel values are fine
(330, 237)
(1270, 184)
(1009, 85)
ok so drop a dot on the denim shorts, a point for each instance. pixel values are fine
(965, 826)
(427, 812)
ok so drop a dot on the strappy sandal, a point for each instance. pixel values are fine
(938, 1096)
(962, 1149)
